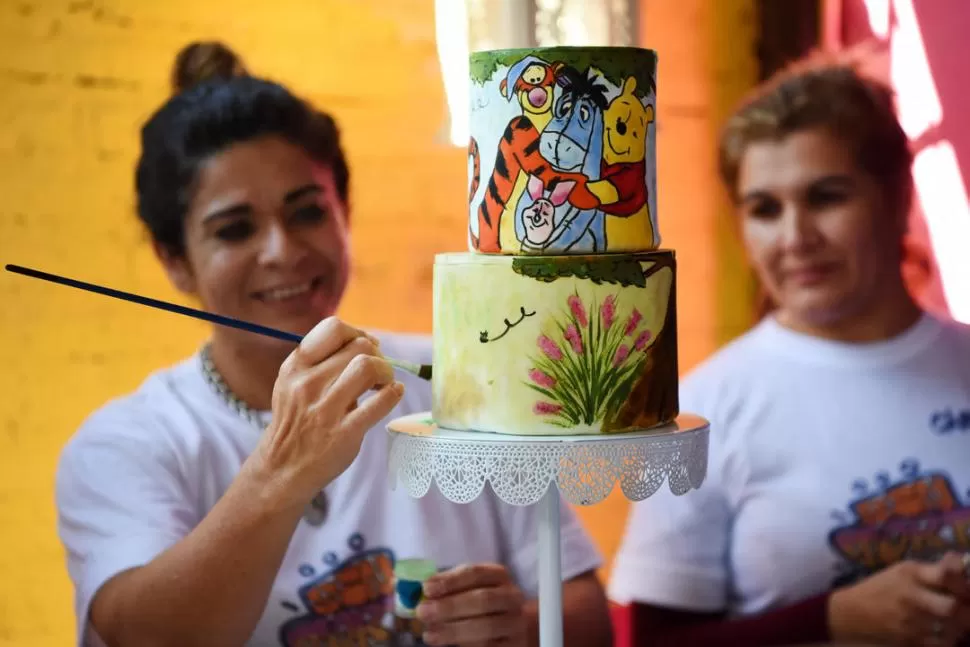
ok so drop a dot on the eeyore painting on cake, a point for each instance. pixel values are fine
(562, 151)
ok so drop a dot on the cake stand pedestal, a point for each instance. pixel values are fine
(532, 470)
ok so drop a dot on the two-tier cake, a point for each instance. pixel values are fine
(561, 317)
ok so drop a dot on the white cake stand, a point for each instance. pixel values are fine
(522, 469)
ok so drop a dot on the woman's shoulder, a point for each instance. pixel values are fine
(741, 358)
(954, 334)
(733, 379)
(141, 420)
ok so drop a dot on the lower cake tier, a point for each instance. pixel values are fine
(555, 345)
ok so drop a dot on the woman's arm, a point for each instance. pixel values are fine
(899, 604)
(803, 622)
(211, 587)
(154, 573)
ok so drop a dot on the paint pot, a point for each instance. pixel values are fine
(409, 578)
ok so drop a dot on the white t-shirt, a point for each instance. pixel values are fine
(146, 468)
(828, 461)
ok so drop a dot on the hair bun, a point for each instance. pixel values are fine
(203, 61)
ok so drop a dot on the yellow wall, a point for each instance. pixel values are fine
(76, 81)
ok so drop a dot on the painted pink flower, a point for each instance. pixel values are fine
(550, 348)
(542, 379)
(642, 340)
(578, 310)
(572, 336)
(608, 311)
(621, 354)
(546, 408)
(633, 322)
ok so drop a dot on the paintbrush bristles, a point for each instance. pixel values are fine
(423, 371)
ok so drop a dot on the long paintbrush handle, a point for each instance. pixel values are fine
(155, 303)
(423, 371)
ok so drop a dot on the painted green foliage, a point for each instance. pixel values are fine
(623, 272)
(587, 362)
(616, 63)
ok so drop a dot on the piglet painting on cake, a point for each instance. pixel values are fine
(535, 223)
(581, 117)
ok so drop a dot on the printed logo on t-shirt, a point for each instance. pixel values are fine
(919, 515)
(950, 421)
(349, 603)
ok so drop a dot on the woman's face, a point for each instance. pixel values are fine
(819, 231)
(265, 237)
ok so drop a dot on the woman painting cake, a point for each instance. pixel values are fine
(185, 507)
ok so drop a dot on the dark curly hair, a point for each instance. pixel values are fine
(216, 104)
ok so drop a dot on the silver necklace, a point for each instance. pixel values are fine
(316, 511)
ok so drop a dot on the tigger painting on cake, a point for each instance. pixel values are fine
(576, 124)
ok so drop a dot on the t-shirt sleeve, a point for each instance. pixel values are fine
(520, 533)
(120, 502)
(674, 548)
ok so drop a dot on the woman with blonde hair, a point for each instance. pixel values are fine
(836, 505)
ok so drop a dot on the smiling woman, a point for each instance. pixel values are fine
(831, 510)
(193, 510)
(264, 241)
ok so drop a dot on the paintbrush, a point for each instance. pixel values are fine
(421, 370)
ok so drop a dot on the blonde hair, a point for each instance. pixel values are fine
(822, 91)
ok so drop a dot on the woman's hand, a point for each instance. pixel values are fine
(475, 605)
(909, 603)
(318, 426)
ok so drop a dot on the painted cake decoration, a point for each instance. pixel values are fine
(484, 337)
(570, 144)
(587, 361)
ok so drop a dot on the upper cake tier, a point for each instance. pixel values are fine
(562, 154)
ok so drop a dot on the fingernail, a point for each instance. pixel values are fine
(374, 340)
(399, 388)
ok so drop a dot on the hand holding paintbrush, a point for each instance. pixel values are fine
(421, 370)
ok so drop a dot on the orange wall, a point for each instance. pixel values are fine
(76, 81)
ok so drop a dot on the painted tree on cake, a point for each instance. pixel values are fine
(587, 360)
(618, 65)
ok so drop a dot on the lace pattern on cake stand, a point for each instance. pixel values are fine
(520, 469)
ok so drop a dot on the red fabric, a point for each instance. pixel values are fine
(642, 626)
(622, 618)
(629, 180)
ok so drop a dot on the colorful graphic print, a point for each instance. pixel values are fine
(350, 604)
(950, 421)
(920, 515)
(573, 168)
